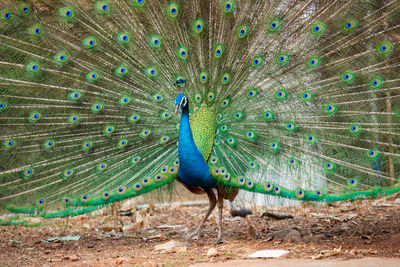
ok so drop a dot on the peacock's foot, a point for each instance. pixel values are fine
(195, 235)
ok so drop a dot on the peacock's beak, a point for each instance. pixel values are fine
(177, 108)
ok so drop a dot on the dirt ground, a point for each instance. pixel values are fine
(344, 231)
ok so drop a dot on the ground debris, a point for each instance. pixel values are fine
(13, 243)
(65, 238)
(212, 252)
(379, 204)
(170, 246)
(241, 212)
(288, 235)
(327, 253)
(74, 258)
(166, 226)
(277, 215)
(362, 230)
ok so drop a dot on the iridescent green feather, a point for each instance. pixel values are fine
(277, 91)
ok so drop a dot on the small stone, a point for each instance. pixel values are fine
(47, 252)
(212, 252)
(74, 258)
(129, 204)
(119, 262)
(242, 212)
(170, 246)
(289, 235)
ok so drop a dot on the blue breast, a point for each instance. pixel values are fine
(193, 170)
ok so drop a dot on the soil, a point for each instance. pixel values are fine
(344, 231)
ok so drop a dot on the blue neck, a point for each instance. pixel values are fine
(185, 132)
(193, 170)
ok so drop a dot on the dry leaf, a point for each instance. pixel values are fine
(327, 253)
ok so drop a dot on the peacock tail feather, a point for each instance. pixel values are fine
(297, 99)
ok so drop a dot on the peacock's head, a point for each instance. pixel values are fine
(180, 102)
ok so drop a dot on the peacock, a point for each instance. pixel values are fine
(296, 99)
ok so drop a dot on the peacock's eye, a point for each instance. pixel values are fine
(228, 6)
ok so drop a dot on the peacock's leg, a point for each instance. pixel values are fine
(213, 203)
(220, 205)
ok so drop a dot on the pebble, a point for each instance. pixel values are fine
(212, 252)
(289, 235)
(170, 246)
(74, 258)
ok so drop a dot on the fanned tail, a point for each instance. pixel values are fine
(305, 94)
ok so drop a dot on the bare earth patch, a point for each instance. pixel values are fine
(345, 231)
